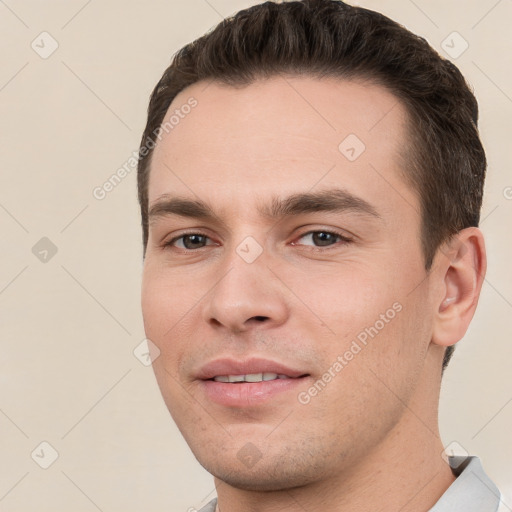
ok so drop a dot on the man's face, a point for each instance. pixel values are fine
(245, 293)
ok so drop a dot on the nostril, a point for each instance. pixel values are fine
(260, 318)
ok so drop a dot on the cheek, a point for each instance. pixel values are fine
(169, 309)
(346, 298)
(368, 317)
(395, 344)
(164, 300)
(153, 303)
(160, 315)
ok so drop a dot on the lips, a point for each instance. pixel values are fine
(248, 368)
(251, 383)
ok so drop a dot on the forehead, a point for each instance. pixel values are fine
(284, 134)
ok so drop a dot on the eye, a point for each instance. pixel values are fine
(323, 238)
(188, 241)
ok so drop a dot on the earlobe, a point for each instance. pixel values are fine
(461, 267)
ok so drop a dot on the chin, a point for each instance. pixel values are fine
(269, 476)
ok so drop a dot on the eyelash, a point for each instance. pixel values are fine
(342, 238)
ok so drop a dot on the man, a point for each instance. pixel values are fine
(310, 183)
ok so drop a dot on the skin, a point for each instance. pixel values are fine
(374, 426)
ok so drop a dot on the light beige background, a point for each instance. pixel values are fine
(69, 326)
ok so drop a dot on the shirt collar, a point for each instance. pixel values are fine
(472, 491)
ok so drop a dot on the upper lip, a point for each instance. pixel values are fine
(226, 366)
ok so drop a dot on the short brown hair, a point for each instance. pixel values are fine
(328, 38)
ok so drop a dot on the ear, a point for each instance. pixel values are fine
(461, 267)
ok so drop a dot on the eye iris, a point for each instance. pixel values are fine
(197, 238)
(323, 238)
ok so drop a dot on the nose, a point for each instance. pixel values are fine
(246, 296)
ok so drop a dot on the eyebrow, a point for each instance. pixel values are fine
(332, 200)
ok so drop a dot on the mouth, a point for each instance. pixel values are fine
(253, 377)
(249, 383)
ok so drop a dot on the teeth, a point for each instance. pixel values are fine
(251, 377)
(254, 377)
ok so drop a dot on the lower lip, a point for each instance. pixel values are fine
(248, 394)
